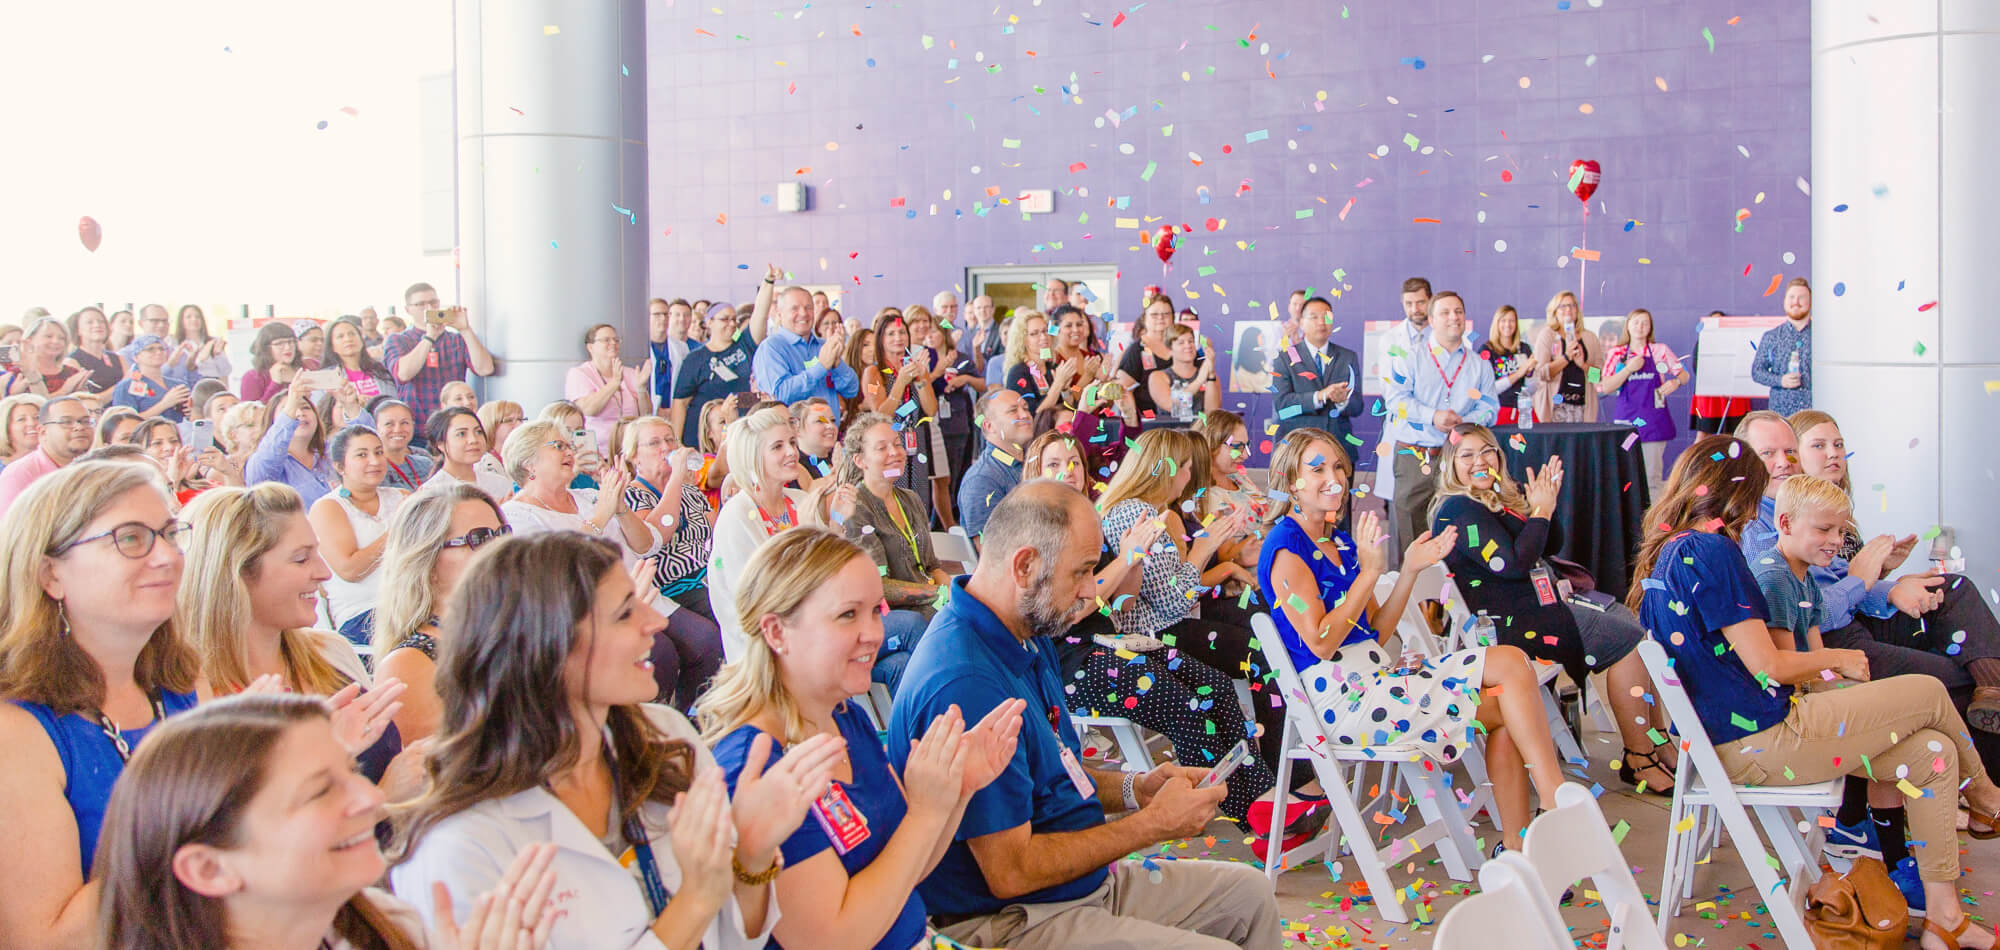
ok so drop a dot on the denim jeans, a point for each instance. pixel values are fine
(901, 629)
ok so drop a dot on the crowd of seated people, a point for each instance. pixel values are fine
(329, 652)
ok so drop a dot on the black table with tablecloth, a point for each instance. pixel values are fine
(1604, 495)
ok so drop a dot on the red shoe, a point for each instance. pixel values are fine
(1298, 813)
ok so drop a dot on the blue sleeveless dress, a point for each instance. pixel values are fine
(91, 763)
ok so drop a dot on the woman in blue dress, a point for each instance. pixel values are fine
(810, 602)
(1320, 582)
(90, 662)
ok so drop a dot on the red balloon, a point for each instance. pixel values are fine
(89, 233)
(1584, 175)
(1164, 244)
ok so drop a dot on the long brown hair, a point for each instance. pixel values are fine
(1505, 493)
(1290, 457)
(192, 782)
(508, 631)
(39, 661)
(1715, 485)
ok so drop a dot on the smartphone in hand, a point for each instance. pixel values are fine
(1231, 761)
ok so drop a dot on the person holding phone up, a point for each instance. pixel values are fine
(145, 389)
(439, 349)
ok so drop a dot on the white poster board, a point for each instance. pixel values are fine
(1724, 349)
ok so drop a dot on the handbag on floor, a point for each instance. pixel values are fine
(1859, 910)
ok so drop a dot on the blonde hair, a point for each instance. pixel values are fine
(1017, 336)
(7, 407)
(704, 430)
(1505, 493)
(1513, 342)
(628, 437)
(744, 434)
(39, 661)
(560, 411)
(1556, 301)
(1285, 462)
(445, 392)
(490, 413)
(412, 542)
(1147, 473)
(1804, 493)
(233, 528)
(784, 572)
(251, 411)
(524, 442)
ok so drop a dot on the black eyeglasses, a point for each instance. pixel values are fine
(472, 540)
(135, 539)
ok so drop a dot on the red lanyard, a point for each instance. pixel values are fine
(400, 474)
(1451, 380)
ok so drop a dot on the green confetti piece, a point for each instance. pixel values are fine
(1737, 720)
(1302, 214)
(1655, 737)
(1918, 348)
(1472, 535)
(1929, 533)
(1151, 167)
(1619, 832)
(1010, 143)
(1595, 374)
(1204, 271)
(1710, 37)
(1410, 140)
(929, 41)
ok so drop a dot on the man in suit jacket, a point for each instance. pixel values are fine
(1318, 381)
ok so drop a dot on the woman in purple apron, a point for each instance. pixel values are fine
(1643, 372)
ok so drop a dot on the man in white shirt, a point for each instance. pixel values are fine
(1425, 393)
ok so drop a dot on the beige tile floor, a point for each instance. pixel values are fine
(1312, 904)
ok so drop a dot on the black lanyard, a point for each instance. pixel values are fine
(118, 743)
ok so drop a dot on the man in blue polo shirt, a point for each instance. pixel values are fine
(1007, 427)
(1036, 840)
(793, 365)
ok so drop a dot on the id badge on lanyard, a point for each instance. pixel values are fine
(843, 823)
(1545, 584)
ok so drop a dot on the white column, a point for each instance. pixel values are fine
(1905, 128)
(551, 136)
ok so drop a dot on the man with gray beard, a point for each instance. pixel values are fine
(1027, 867)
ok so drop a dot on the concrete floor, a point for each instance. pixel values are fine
(1320, 912)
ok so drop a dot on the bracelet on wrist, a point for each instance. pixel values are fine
(758, 879)
(1129, 788)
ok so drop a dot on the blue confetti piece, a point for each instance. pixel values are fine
(1840, 288)
(1839, 208)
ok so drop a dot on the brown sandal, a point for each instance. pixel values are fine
(1950, 937)
(1981, 825)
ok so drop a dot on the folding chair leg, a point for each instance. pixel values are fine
(1791, 846)
(1566, 745)
(1360, 838)
(1599, 710)
(1770, 886)
(1279, 793)
(1456, 849)
(1670, 869)
(1132, 745)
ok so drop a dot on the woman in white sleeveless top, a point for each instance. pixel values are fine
(350, 522)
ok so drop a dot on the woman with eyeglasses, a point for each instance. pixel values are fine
(714, 371)
(1565, 353)
(90, 662)
(1503, 577)
(663, 493)
(293, 450)
(249, 597)
(604, 389)
(589, 447)
(90, 332)
(499, 416)
(274, 360)
(548, 735)
(351, 523)
(542, 460)
(397, 424)
(460, 442)
(430, 540)
(243, 826)
(44, 366)
(312, 344)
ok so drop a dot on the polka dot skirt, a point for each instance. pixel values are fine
(1362, 701)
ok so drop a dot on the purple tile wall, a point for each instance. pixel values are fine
(862, 102)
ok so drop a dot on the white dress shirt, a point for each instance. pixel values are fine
(600, 903)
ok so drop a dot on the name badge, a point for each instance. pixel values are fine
(1545, 586)
(431, 359)
(139, 389)
(844, 824)
(1084, 786)
(723, 373)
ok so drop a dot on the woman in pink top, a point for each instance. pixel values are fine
(605, 389)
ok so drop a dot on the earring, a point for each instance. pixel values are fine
(62, 614)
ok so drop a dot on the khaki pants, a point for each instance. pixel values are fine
(1197, 905)
(1902, 721)
(1415, 487)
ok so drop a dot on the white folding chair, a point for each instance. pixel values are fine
(1509, 911)
(1702, 788)
(1444, 824)
(954, 546)
(1572, 843)
(1130, 737)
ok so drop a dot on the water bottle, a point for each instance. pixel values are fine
(1484, 634)
(1792, 365)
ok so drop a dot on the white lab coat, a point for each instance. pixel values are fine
(601, 903)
